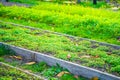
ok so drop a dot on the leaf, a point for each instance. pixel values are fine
(68, 56)
(30, 63)
(16, 57)
(62, 73)
(85, 56)
(96, 56)
(95, 78)
(76, 76)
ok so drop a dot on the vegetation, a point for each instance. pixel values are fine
(42, 68)
(97, 24)
(51, 72)
(31, 2)
(100, 4)
(3, 50)
(8, 73)
(84, 20)
(82, 52)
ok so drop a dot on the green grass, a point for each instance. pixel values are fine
(98, 24)
(61, 46)
(31, 2)
(8, 73)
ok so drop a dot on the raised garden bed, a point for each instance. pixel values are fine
(74, 68)
(22, 68)
(66, 35)
(83, 52)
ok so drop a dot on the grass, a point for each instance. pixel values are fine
(8, 73)
(82, 52)
(50, 72)
(31, 2)
(97, 24)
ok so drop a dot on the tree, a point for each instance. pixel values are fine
(95, 2)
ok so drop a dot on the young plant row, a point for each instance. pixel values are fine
(82, 52)
(85, 25)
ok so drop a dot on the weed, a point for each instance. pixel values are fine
(116, 69)
(39, 67)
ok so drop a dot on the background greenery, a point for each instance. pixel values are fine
(98, 24)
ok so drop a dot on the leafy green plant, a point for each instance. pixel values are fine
(5, 26)
(2, 32)
(116, 69)
(39, 67)
(69, 77)
(103, 48)
(2, 59)
(3, 50)
(53, 71)
(8, 38)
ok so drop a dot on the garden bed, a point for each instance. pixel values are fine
(73, 68)
(66, 35)
(22, 68)
(83, 52)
